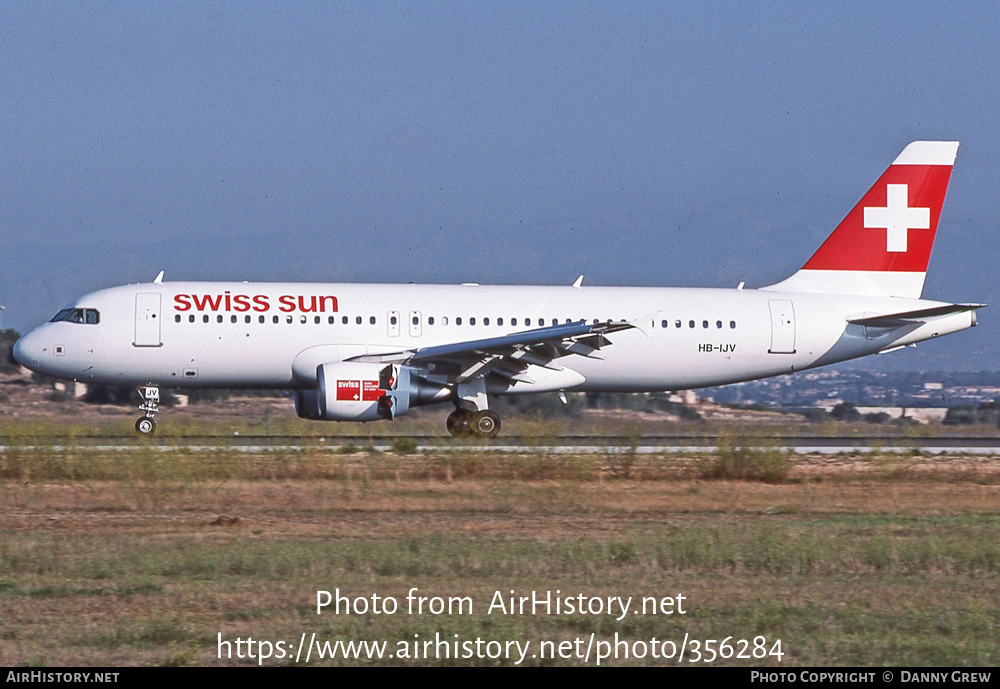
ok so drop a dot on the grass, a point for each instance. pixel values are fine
(223, 420)
(754, 459)
(145, 557)
(768, 547)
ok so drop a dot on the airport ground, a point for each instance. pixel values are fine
(147, 556)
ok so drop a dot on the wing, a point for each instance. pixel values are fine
(509, 357)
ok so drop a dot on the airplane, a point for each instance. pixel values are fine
(364, 352)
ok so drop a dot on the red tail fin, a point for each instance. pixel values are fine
(884, 244)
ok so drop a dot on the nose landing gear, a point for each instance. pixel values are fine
(150, 395)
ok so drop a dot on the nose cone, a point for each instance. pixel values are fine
(25, 352)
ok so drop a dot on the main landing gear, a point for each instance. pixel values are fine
(150, 405)
(478, 424)
(472, 416)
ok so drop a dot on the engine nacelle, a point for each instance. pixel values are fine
(353, 391)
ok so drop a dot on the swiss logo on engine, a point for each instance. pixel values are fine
(348, 390)
(358, 391)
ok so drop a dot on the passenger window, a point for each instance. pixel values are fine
(357, 319)
(246, 319)
(416, 321)
(260, 319)
(472, 321)
(486, 321)
(664, 323)
(444, 320)
(732, 325)
(177, 318)
(218, 319)
(316, 320)
(232, 319)
(191, 318)
(371, 320)
(704, 324)
(392, 320)
(458, 320)
(274, 319)
(344, 320)
(430, 320)
(289, 319)
(690, 324)
(204, 319)
(513, 321)
(500, 321)
(331, 320)
(718, 324)
(677, 324)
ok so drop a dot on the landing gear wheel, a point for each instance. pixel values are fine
(150, 394)
(145, 425)
(458, 423)
(486, 424)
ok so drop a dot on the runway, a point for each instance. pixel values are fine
(978, 445)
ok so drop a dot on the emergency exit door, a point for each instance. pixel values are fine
(416, 326)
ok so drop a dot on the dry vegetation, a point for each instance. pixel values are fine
(144, 557)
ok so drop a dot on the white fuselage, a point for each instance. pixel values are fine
(272, 335)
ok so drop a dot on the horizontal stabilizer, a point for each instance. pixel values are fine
(891, 320)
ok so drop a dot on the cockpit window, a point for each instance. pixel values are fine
(89, 316)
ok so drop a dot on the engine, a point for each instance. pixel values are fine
(353, 391)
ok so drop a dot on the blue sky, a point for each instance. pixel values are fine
(492, 142)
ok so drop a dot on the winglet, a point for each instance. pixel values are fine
(159, 278)
(579, 282)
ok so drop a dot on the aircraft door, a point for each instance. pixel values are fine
(415, 324)
(782, 327)
(392, 323)
(147, 320)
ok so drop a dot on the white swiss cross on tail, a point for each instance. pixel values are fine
(905, 203)
(897, 218)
